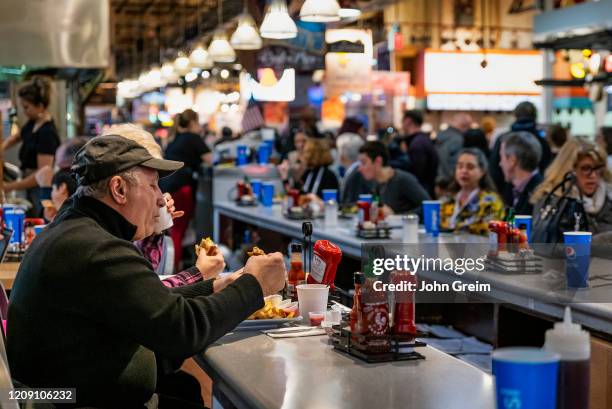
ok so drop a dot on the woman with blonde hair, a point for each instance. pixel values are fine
(583, 164)
(317, 158)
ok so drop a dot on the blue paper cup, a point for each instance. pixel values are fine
(330, 194)
(264, 153)
(267, 194)
(577, 258)
(39, 228)
(525, 378)
(256, 185)
(526, 220)
(241, 155)
(431, 216)
(14, 218)
(365, 198)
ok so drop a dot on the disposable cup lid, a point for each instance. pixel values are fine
(577, 233)
(525, 355)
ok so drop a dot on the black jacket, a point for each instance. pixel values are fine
(522, 206)
(327, 180)
(88, 312)
(421, 159)
(503, 187)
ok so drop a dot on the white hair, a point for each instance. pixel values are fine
(348, 145)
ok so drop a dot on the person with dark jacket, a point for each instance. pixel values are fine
(88, 312)
(519, 157)
(317, 158)
(449, 143)
(416, 154)
(525, 114)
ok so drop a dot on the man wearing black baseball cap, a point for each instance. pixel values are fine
(88, 312)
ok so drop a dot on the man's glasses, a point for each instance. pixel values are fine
(587, 170)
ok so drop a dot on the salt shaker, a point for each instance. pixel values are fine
(410, 228)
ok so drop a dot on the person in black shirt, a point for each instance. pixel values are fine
(188, 147)
(399, 191)
(88, 311)
(38, 137)
(416, 153)
(317, 158)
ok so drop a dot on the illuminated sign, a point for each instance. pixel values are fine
(506, 72)
(269, 88)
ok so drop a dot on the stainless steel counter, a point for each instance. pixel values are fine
(531, 292)
(255, 371)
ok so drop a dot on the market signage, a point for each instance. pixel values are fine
(269, 88)
(457, 80)
(511, 72)
(348, 71)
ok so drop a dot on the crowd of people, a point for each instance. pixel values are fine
(478, 175)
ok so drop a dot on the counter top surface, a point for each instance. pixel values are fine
(532, 292)
(307, 373)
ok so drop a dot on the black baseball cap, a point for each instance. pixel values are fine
(108, 155)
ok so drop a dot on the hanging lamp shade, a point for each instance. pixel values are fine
(320, 11)
(220, 49)
(199, 57)
(277, 23)
(348, 9)
(246, 36)
(155, 78)
(182, 65)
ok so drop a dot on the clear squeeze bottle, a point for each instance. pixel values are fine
(573, 344)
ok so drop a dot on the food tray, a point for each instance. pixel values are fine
(256, 325)
(302, 216)
(344, 343)
(377, 233)
(246, 204)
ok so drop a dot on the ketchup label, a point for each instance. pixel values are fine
(317, 270)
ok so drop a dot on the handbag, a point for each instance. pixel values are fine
(558, 213)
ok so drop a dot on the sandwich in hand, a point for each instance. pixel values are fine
(206, 245)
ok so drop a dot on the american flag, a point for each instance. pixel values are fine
(252, 118)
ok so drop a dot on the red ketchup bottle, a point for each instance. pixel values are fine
(355, 321)
(325, 260)
(403, 313)
(364, 212)
(294, 198)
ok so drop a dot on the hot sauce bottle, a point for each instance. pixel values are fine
(374, 318)
(403, 312)
(295, 275)
(359, 280)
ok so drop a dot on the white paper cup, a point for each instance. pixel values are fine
(312, 298)
(165, 220)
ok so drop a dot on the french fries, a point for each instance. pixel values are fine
(208, 246)
(269, 311)
(256, 251)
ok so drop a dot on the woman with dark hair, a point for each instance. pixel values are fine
(39, 139)
(188, 147)
(474, 202)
